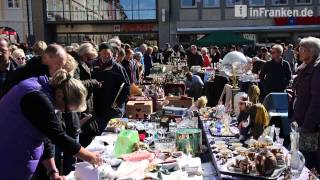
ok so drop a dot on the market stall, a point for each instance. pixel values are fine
(149, 151)
(168, 135)
(265, 158)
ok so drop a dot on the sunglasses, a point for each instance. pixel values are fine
(273, 52)
(21, 58)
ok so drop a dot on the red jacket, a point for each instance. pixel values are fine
(206, 60)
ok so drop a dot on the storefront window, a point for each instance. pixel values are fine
(95, 10)
(279, 2)
(303, 2)
(257, 2)
(211, 3)
(188, 4)
(231, 3)
(13, 3)
(134, 39)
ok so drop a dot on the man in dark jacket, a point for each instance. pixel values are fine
(194, 58)
(276, 74)
(130, 66)
(110, 99)
(148, 61)
(167, 53)
(6, 64)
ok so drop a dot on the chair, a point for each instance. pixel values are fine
(277, 106)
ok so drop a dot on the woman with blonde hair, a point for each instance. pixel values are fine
(205, 56)
(29, 110)
(71, 65)
(259, 120)
(19, 57)
(39, 47)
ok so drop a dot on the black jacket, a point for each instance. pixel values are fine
(112, 77)
(194, 60)
(275, 76)
(33, 68)
(147, 64)
(83, 73)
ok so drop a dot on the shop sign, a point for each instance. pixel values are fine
(138, 27)
(252, 37)
(285, 21)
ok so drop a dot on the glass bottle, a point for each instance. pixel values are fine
(297, 160)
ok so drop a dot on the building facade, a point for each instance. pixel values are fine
(72, 21)
(163, 21)
(189, 20)
(14, 20)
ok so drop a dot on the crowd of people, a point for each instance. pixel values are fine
(57, 99)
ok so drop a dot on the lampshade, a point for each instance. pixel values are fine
(234, 63)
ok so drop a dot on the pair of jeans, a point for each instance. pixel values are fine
(67, 165)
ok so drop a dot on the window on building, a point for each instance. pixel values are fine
(230, 3)
(93, 10)
(257, 2)
(279, 2)
(188, 3)
(211, 3)
(14, 3)
(303, 1)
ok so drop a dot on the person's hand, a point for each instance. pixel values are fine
(95, 159)
(56, 176)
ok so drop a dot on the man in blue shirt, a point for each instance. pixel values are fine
(194, 85)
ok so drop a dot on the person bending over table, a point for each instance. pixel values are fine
(252, 120)
(194, 86)
(28, 120)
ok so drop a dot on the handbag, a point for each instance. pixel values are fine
(309, 142)
(90, 128)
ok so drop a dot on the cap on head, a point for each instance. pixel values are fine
(105, 46)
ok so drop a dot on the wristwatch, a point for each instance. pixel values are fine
(50, 173)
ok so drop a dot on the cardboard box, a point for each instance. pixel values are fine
(139, 98)
(137, 109)
(176, 101)
(174, 111)
(160, 103)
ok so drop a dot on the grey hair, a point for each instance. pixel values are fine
(87, 49)
(278, 47)
(138, 55)
(194, 46)
(312, 44)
